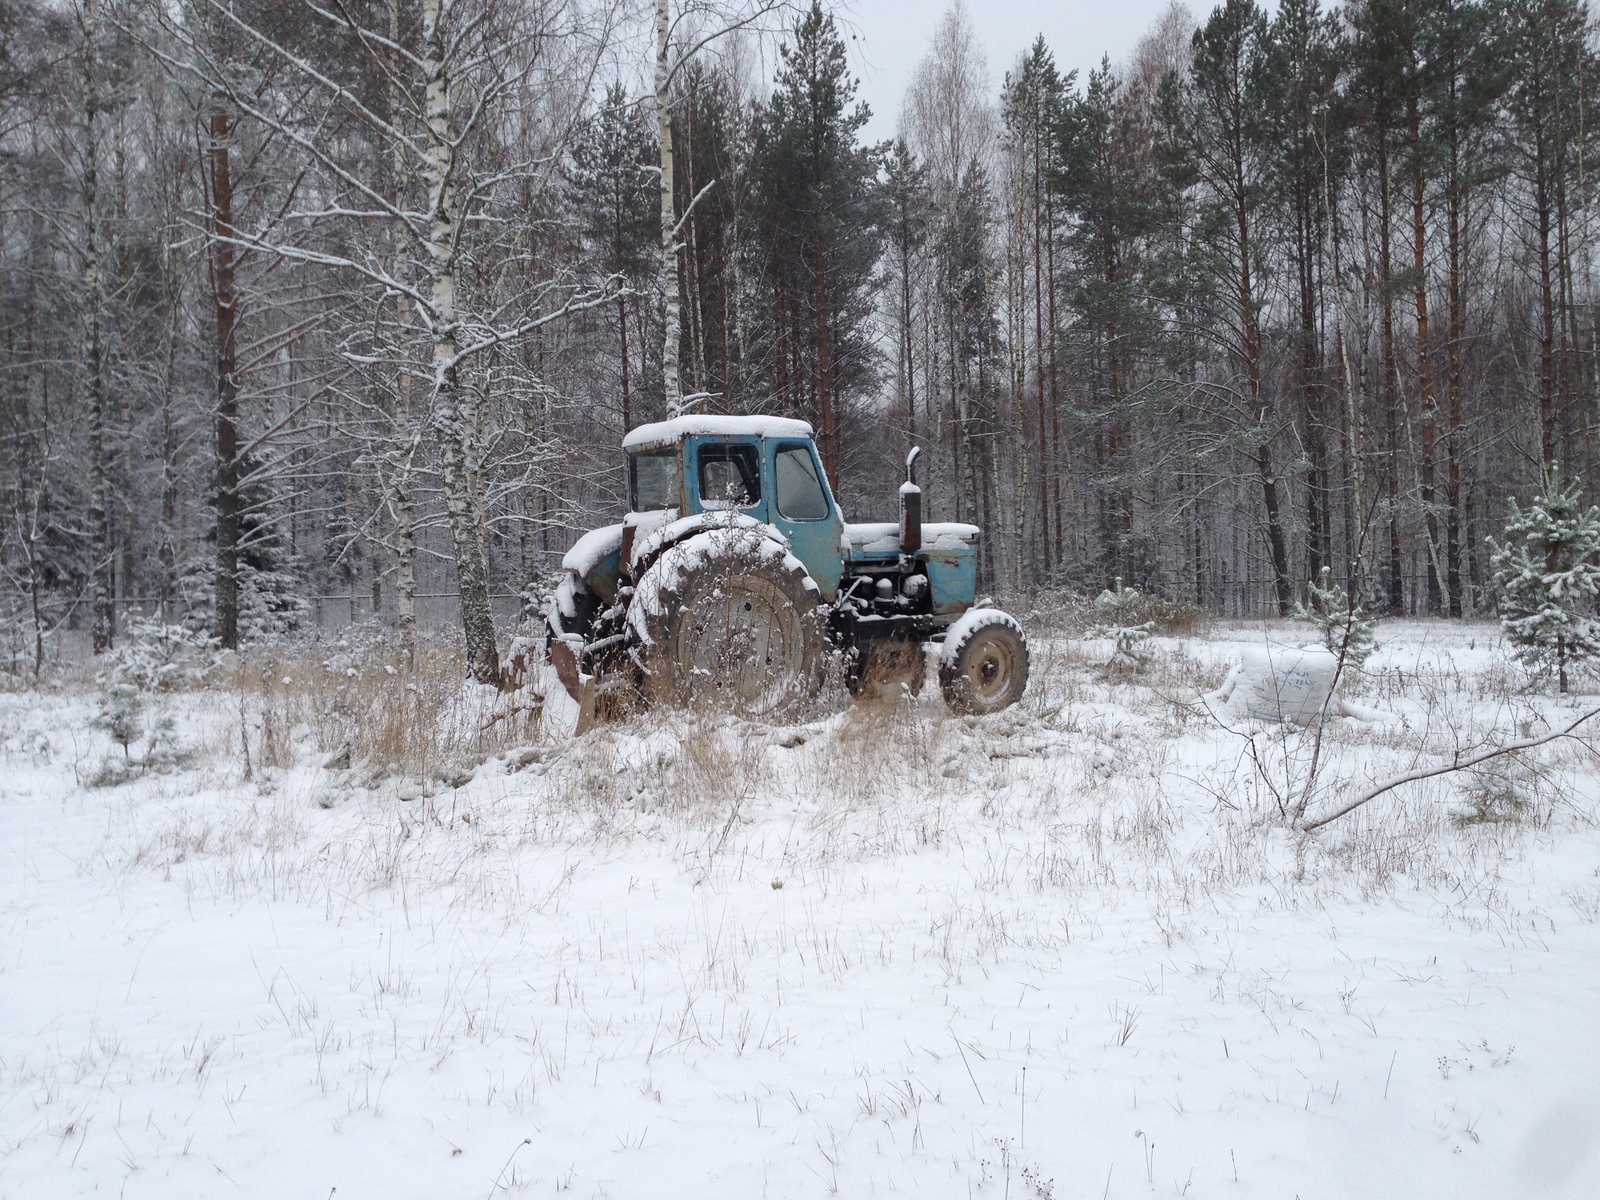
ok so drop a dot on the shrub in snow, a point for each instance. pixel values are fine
(1119, 610)
(122, 716)
(154, 656)
(1346, 629)
(1547, 574)
(1499, 790)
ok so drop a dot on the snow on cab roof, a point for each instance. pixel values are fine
(714, 426)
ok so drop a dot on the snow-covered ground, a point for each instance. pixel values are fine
(1063, 952)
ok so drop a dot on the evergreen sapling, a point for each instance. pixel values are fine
(1120, 605)
(1347, 631)
(1548, 576)
(121, 707)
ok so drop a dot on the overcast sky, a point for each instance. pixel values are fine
(894, 36)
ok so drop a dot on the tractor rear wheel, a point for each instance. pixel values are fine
(983, 666)
(728, 619)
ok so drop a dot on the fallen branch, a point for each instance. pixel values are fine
(1456, 764)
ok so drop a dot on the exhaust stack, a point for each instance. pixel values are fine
(911, 507)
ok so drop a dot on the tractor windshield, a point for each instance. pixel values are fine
(653, 480)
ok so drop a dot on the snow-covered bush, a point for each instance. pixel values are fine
(1499, 791)
(1346, 630)
(270, 603)
(1118, 608)
(536, 595)
(122, 716)
(1548, 574)
(155, 656)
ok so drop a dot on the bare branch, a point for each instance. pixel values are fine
(1457, 763)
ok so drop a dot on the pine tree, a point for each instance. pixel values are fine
(1233, 146)
(821, 210)
(1120, 604)
(1346, 629)
(613, 192)
(1548, 574)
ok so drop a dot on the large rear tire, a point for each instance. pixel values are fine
(983, 666)
(728, 619)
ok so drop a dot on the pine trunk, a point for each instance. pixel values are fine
(224, 297)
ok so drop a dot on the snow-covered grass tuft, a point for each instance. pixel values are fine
(399, 943)
(377, 710)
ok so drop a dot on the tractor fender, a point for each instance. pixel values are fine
(593, 560)
(658, 543)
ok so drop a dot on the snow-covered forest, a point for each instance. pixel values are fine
(318, 314)
(493, 704)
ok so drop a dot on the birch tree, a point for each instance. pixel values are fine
(682, 31)
(458, 68)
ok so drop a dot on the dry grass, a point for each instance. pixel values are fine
(1099, 788)
(374, 709)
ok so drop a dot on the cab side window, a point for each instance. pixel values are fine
(729, 472)
(801, 496)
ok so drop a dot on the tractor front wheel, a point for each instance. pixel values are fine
(983, 665)
(728, 619)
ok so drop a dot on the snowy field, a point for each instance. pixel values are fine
(1069, 951)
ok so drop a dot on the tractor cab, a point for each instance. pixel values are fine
(765, 468)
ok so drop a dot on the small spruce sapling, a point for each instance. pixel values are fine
(1119, 604)
(122, 716)
(1347, 631)
(1548, 573)
(121, 708)
(1499, 791)
(537, 595)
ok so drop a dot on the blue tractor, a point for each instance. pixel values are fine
(733, 580)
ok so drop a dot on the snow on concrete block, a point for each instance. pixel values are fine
(1281, 683)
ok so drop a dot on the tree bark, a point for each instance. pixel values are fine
(1391, 391)
(404, 513)
(466, 535)
(827, 418)
(101, 581)
(1455, 239)
(1259, 403)
(224, 297)
(1429, 403)
(671, 303)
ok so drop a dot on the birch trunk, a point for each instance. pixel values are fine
(472, 572)
(671, 304)
(404, 513)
